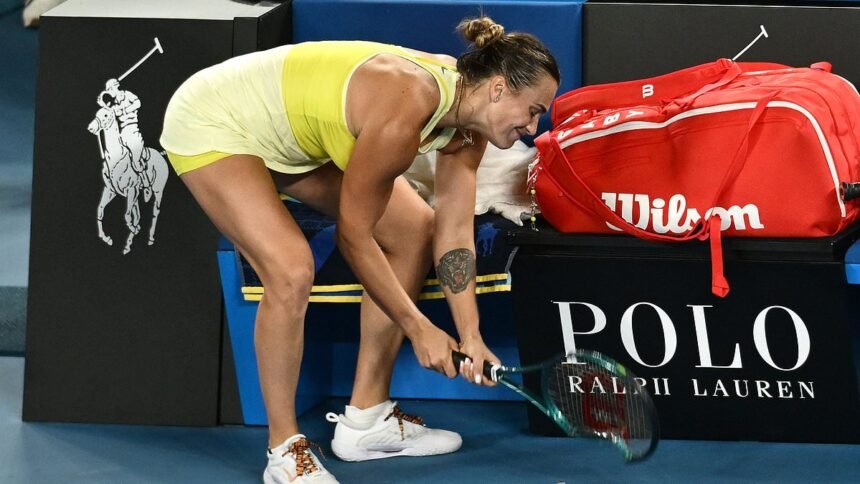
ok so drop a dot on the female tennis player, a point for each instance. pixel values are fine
(334, 125)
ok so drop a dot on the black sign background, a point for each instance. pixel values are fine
(110, 337)
(816, 291)
(633, 41)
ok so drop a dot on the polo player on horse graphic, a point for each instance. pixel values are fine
(125, 105)
(128, 166)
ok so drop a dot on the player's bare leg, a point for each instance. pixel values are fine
(253, 217)
(372, 426)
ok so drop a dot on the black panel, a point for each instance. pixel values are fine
(245, 35)
(276, 27)
(129, 338)
(230, 406)
(818, 249)
(632, 41)
(252, 34)
(819, 402)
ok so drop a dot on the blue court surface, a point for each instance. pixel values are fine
(497, 447)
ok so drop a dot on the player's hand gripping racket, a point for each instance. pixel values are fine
(590, 395)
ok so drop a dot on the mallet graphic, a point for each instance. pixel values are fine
(761, 34)
(142, 60)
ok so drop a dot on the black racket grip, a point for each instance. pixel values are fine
(461, 357)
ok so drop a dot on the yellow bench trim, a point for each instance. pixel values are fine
(356, 299)
(359, 287)
(324, 293)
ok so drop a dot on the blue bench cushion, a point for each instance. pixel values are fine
(852, 263)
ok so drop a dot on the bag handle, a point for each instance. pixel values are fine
(702, 230)
(654, 90)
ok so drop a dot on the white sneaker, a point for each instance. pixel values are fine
(392, 433)
(293, 463)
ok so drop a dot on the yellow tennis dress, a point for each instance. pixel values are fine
(285, 105)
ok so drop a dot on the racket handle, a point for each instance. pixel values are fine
(461, 357)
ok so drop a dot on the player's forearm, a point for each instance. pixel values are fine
(456, 270)
(454, 236)
(376, 275)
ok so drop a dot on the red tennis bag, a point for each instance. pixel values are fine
(744, 149)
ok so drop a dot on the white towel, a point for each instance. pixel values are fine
(501, 182)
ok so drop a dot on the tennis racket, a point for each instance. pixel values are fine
(588, 394)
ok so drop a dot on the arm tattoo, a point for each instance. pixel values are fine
(456, 269)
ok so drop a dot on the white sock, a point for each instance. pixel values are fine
(366, 418)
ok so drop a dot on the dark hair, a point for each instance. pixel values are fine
(521, 58)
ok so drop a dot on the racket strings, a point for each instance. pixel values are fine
(594, 400)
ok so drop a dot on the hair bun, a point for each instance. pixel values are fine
(481, 31)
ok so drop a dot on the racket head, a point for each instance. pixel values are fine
(589, 394)
(609, 402)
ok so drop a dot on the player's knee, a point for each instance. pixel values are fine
(288, 283)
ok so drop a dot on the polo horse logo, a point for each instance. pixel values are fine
(128, 166)
(121, 177)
